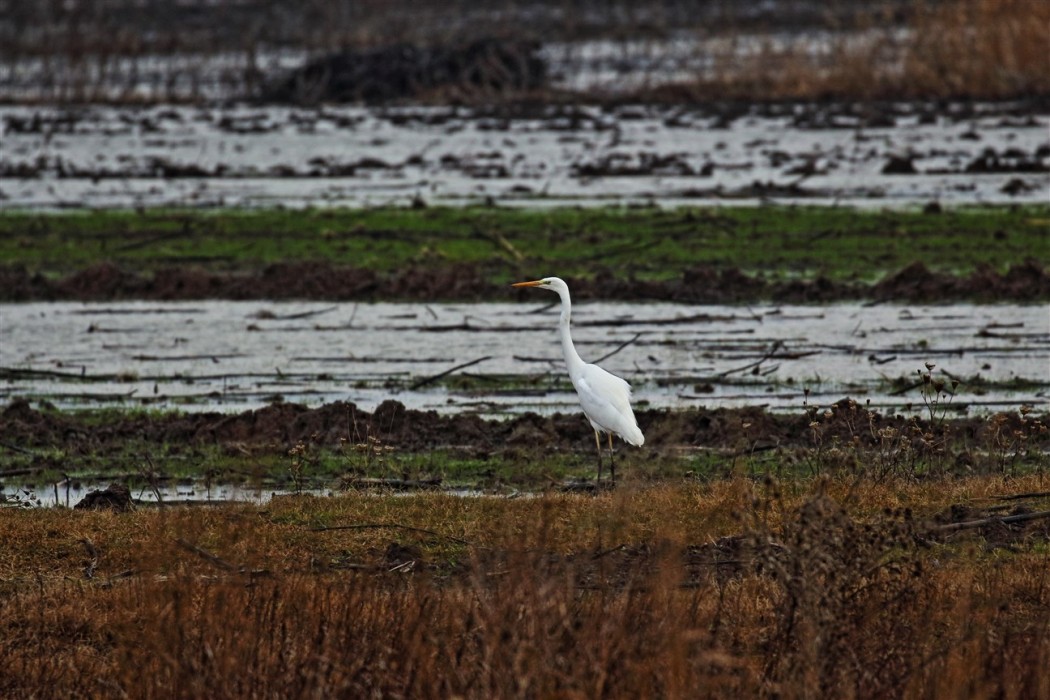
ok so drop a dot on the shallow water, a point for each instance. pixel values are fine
(232, 356)
(355, 156)
(68, 493)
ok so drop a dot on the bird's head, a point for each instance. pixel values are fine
(554, 284)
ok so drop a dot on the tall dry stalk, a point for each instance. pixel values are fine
(978, 48)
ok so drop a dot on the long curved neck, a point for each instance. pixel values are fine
(572, 358)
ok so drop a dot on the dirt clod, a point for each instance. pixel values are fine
(114, 497)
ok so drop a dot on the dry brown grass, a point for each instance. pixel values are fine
(830, 589)
(982, 49)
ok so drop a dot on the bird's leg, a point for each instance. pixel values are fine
(612, 461)
(598, 444)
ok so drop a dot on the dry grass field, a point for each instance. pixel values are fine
(743, 553)
(983, 49)
(828, 587)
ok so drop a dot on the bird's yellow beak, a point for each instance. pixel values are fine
(534, 283)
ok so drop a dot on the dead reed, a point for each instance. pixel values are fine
(819, 589)
(959, 49)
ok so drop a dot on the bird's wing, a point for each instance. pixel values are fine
(616, 390)
(606, 401)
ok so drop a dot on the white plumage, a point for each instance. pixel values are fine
(606, 401)
(605, 398)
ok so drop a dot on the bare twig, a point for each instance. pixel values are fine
(623, 249)
(20, 450)
(769, 355)
(21, 472)
(396, 484)
(433, 378)
(972, 524)
(20, 372)
(151, 476)
(206, 555)
(545, 308)
(610, 550)
(619, 348)
(678, 320)
(1019, 496)
(89, 568)
(499, 241)
(905, 389)
(126, 573)
(159, 238)
(267, 316)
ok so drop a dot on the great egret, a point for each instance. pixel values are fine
(605, 398)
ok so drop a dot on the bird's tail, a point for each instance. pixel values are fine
(634, 436)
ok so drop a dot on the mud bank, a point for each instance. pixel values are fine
(280, 426)
(1027, 282)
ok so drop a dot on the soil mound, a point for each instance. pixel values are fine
(483, 67)
(281, 425)
(114, 497)
(1027, 282)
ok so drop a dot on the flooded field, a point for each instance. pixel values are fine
(870, 155)
(69, 492)
(502, 359)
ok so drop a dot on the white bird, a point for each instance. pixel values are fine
(605, 398)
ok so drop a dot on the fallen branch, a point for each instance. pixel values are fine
(769, 355)
(427, 380)
(20, 450)
(1019, 496)
(267, 316)
(397, 484)
(1009, 519)
(618, 349)
(178, 358)
(206, 555)
(545, 308)
(127, 573)
(20, 472)
(499, 241)
(676, 321)
(20, 373)
(631, 247)
(794, 355)
(610, 550)
(582, 487)
(392, 526)
(184, 232)
(188, 502)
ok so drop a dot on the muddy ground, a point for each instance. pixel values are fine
(1027, 282)
(280, 426)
